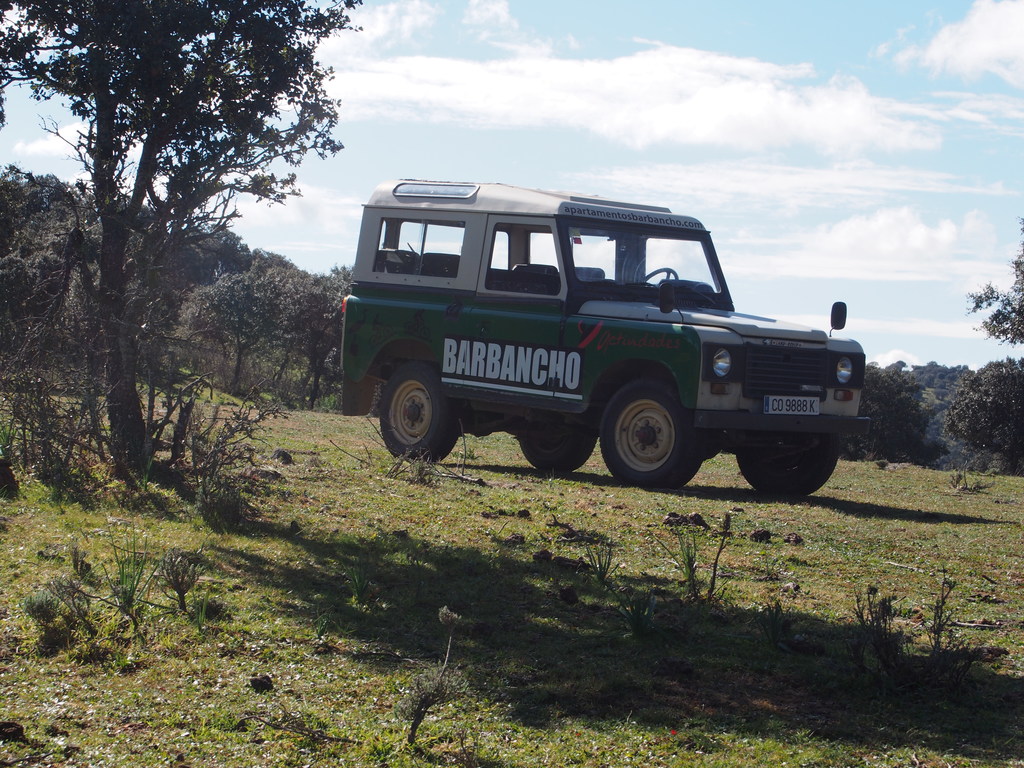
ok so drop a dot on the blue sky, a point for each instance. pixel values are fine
(870, 152)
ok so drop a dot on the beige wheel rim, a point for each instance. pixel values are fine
(644, 435)
(410, 412)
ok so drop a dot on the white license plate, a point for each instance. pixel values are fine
(779, 405)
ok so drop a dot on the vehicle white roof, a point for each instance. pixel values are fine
(505, 198)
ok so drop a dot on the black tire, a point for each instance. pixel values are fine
(561, 450)
(416, 419)
(788, 470)
(648, 439)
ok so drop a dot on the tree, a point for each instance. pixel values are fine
(242, 312)
(988, 410)
(41, 224)
(186, 106)
(899, 420)
(315, 324)
(1006, 322)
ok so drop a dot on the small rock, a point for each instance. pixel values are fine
(11, 731)
(790, 587)
(514, 539)
(261, 683)
(481, 629)
(543, 556)
(990, 652)
(673, 666)
(806, 645)
(760, 535)
(525, 513)
(8, 482)
(694, 519)
(282, 456)
(568, 595)
(793, 538)
(579, 564)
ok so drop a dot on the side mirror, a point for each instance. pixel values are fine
(838, 316)
(666, 297)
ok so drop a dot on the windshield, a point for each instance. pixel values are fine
(629, 263)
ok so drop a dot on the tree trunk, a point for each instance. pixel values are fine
(181, 430)
(236, 377)
(120, 355)
(314, 390)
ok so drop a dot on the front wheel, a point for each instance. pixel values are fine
(647, 439)
(790, 471)
(416, 419)
(561, 450)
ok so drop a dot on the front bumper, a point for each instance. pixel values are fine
(759, 422)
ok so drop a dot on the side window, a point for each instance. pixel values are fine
(425, 248)
(523, 260)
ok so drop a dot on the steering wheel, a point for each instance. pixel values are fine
(670, 274)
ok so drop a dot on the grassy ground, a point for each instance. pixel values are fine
(333, 586)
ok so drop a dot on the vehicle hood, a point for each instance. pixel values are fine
(739, 323)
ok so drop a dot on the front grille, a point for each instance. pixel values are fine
(784, 371)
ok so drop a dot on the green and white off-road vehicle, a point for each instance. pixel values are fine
(568, 320)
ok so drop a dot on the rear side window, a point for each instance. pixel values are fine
(523, 260)
(419, 247)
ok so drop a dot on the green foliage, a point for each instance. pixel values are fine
(899, 419)
(130, 578)
(241, 311)
(62, 613)
(637, 610)
(988, 410)
(883, 646)
(179, 571)
(220, 444)
(774, 623)
(1006, 319)
(602, 563)
(961, 482)
(360, 581)
(685, 558)
(185, 107)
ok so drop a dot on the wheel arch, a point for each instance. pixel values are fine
(358, 396)
(621, 373)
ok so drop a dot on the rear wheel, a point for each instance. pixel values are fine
(647, 438)
(416, 419)
(789, 470)
(562, 450)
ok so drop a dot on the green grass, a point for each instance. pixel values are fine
(340, 609)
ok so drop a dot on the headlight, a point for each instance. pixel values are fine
(844, 370)
(721, 363)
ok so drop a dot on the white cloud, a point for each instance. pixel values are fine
(885, 359)
(661, 94)
(489, 13)
(986, 41)
(763, 186)
(315, 231)
(397, 26)
(887, 245)
(901, 326)
(60, 144)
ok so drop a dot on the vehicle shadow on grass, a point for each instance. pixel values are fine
(843, 506)
(749, 495)
(547, 641)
